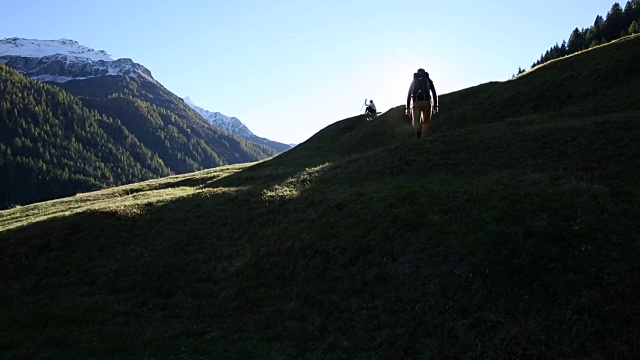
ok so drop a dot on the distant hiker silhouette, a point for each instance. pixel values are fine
(420, 92)
(371, 108)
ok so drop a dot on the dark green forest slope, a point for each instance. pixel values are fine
(165, 123)
(51, 145)
(119, 130)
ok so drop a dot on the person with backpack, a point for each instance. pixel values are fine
(420, 92)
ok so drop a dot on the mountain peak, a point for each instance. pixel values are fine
(33, 48)
(64, 59)
(234, 126)
(226, 123)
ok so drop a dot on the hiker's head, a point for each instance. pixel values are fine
(370, 101)
(421, 71)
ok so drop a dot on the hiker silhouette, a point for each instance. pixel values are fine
(420, 92)
(371, 108)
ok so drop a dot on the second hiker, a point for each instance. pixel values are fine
(420, 92)
(371, 108)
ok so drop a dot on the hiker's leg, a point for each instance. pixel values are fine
(421, 111)
(426, 118)
(415, 120)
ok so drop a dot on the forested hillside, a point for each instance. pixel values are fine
(51, 145)
(165, 123)
(120, 130)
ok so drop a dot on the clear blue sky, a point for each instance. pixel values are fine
(289, 68)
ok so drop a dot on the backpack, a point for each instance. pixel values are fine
(421, 86)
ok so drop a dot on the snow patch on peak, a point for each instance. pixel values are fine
(189, 102)
(64, 59)
(226, 123)
(40, 48)
(235, 126)
(62, 68)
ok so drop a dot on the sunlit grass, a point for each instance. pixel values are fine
(128, 199)
(292, 187)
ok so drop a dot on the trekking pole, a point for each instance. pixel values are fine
(361, 107)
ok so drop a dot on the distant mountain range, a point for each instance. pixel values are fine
(83, 120)
(235, 126)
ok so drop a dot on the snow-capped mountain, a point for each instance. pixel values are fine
(234, 126)
(41, 48)
(63, 60)
(221, 121)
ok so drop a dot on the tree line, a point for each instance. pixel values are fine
(618, 23)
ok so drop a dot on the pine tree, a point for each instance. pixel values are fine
(632, 11)
(577, 41)
(615, 23)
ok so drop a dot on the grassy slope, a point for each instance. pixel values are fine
(601, 81)
(510, 233)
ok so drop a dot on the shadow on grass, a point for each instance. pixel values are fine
(224, 272)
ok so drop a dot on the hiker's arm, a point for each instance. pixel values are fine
(409, 94)
(435, 96)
